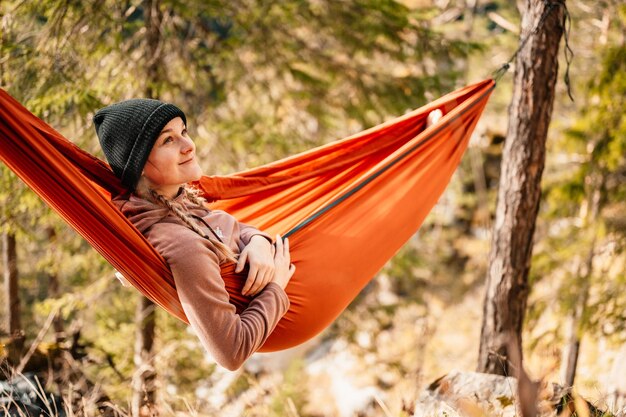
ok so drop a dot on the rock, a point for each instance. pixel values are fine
(348, 390)
(468, 394)
(472, 394)
(23, 396)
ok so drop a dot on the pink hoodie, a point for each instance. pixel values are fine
(229, 337)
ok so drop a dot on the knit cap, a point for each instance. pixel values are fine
(127, 131)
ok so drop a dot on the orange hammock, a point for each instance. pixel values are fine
(347, 206)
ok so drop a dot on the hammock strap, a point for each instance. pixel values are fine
(569, 53)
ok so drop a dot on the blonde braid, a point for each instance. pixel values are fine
(219, 246)
(194, 195)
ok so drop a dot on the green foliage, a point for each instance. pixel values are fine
(407, 270)
(290, 398)
(181, 357)
(258, 81)
(241, 384)
(44, 69)
(261, 80)
(583, 251)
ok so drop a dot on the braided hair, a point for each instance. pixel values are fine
(193, 194)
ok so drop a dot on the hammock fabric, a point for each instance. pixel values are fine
(347, 207)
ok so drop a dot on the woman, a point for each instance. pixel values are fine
(147, 145)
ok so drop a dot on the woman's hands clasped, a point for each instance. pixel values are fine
(267, 263)
(282, 261)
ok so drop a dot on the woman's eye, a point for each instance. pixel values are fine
(167, 140)
(184, 133)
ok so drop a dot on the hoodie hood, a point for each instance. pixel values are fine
(144, 214)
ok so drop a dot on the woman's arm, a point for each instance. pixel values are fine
(230, 338)
(247, 232)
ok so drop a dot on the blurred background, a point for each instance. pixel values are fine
(262, 80)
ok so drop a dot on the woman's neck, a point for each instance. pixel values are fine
(170, 192)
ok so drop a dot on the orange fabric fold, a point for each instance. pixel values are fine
(347, 207)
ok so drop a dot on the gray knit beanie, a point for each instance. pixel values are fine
(127, 132)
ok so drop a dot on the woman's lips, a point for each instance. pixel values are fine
(187, 161)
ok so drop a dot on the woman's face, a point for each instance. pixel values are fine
(172, 161)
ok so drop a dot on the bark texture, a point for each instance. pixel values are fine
(12, 310)
(523, 159)
(54, 292)
(144, 377)
(9, 260)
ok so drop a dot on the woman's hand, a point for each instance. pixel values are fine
(282, 261)
(259, 253)
(433, 117)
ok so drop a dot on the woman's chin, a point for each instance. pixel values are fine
(196, 175)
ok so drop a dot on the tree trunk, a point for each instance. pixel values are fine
(582, 273)
(519, 191)
(154, 18)
(144, 378)
(569, 361)
(9, 259)
(13, 314)
(57, 324)
(53, 291)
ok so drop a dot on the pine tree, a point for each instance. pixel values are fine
(519, 191)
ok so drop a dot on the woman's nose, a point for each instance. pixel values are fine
(187, 145)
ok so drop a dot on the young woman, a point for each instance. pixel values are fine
(148, 147)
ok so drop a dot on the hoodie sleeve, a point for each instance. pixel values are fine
(246, 232)
(230, 338)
